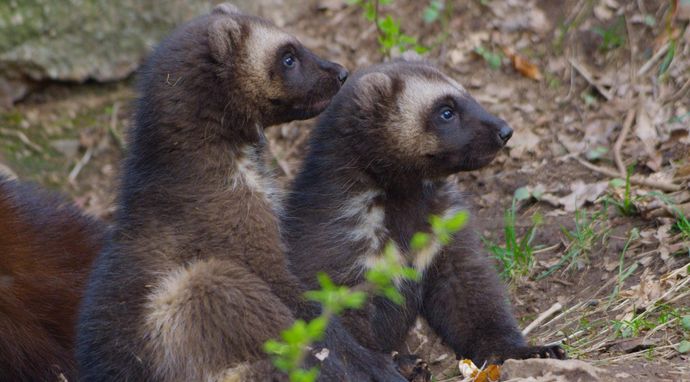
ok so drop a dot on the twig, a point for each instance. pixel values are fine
(80, 165)
(588, 76)
(679, 94)
(649, 64)
(621, 139)
(542, 317)
(668, 187)
(23, 138)
(112, 128)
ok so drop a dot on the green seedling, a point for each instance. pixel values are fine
(613, 37)
(390, 34)
(624, 273)
(516, 257)
(588, 232)
(493, 59)
(626, 205)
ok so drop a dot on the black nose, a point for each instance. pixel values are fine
(342, 75)
(505, 132)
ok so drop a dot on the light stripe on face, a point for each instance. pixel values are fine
(415, 102)
(261, 46)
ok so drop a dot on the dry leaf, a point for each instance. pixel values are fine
(582, 193)
(646, 132)
(491, 373)
(523, 66)
(523, 141)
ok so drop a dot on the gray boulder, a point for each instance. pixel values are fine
(101, 40)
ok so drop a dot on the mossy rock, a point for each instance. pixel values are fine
(79, 40)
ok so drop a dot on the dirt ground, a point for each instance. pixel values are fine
(590, 87)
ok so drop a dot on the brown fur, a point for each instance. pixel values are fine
(195, 278)
(46, 247)
(378, 167)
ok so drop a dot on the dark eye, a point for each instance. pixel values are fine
(289, 60)
(447, 114)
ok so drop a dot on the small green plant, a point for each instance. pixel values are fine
(624, 273)
(682, 223)
(587, 233)
(389, 30)
(613, 37)
(516, 258)
(625, 205)
(289, 353)
(492, 58)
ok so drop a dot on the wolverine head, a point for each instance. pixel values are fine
(228, 66)
(275, 71)
(407, 116)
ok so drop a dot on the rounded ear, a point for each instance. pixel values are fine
(225, 9)
(222, 35)
(372, 87)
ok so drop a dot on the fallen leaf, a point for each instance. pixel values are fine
(526, 68)
(648, 135)
(523, 141)
(582, 193)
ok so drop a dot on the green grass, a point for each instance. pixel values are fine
(623, 272)
(626, 204)
(588, 232)
(516, 256)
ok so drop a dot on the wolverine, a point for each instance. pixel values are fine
(378, 166)
(195, 279)
(46, 247)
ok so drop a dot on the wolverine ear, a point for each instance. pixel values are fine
(373, 87)
(225, 9)
(223, 33)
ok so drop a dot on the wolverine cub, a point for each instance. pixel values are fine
(195, 278)
(46, 246)
(377, 167)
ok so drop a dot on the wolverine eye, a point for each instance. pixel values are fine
(447, 114)
(289, 60)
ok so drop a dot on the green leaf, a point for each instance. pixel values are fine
(301, 375)
(683, 346)
(355, 300)
(392, 294)
(419, 241)
(317, 327)
(617, 182)
(456, 222)
(430, 14)
(596, 153)
(491, 58)
(685, 322)
(522, 193)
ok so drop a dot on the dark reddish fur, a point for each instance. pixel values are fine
(46, 248)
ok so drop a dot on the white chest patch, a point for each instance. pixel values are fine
(374, 223)
(249, 173)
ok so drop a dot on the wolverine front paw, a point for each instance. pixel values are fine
(525, 352)
(413, 368)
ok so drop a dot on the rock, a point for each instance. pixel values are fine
(549, 370)
(101, 40)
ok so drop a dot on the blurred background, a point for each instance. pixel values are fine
(586, 212)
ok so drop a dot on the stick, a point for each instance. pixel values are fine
(648, 65)
(588, 76)
(668, 187)
(621, 139)
(80, 165)
(542, 317)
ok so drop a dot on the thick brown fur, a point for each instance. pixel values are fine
(46, 248)
(378, 166)
(195, 278)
